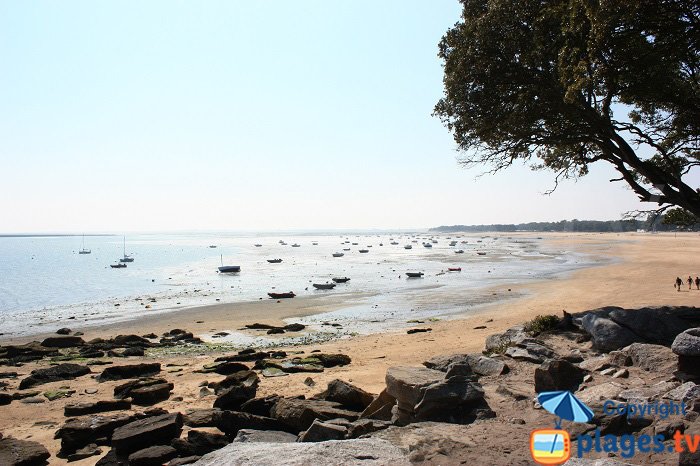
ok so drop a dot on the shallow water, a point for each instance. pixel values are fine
(44, 281)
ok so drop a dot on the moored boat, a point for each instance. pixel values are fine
(228, 268)
(414, 274)
(341, 279)
(120, 265)
(324, 286)
(363, 250)
(274, 261)
(454, 269)
(459, 251)
(408, 246)
(338, 254)
(281, 295)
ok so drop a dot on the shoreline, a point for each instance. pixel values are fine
(205, 320)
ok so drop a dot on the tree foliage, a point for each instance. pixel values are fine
(563, 84)
(680, 218)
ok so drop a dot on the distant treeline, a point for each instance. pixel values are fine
(568, 225)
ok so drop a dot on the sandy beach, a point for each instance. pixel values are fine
(641, 273)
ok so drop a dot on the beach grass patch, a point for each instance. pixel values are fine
(541, 323)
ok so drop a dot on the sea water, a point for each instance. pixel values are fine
(45, 283)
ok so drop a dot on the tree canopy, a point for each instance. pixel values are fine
(563, 84)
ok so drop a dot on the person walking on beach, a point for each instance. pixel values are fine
(678, 284)
(690, 283)
(697, 282)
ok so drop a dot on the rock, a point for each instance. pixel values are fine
(348, 395)
(131, 340)
(486, 366)
(294, 327)
(275, 331)
(499, 342)
(125, 389)
(111, 459)
(152, 456)
(202, 418)
(260, 406)
(443, 362)
(418, 330)
(621, 374)
(365, 427)
(184, 461)
(380, 408)
(63, 331)
(619, 358)
(15, 452)
(224, 367)
(613, 328)
(298, 365)
(516, 393)
(266, 436)
(609, 371)
(687, 343)
(531, 350)
(667, 428)
(455, 400)
(406, 384)
(647, 393)
(52, 395)
(298, 415)
(53, 374)
(558, 375)
(156, 430)
(81, 409)
(202, 442)
(598, 363)
(273, 372)
(86, 452)
(24, 353)
(151, 394)
(5, 399)
(684, 393)
(130, 371)
(62, 342)
(132, 351)
(321, 431)
(596, 395)
(236, 389)
(32, 400)
(332, 360)
(230, 422)
(82, 431)
(460, 370)
(367, 452)
(655, 358)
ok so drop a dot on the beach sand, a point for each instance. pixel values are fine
(641, 274)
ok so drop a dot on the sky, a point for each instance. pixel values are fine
(246, 115)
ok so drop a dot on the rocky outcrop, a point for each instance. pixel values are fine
(613, 328)
(53, 374)
(236, 389)
(356, 452)
(79, 432)
(15, 452)
(477, 363)
(558, 375)
(687, 346)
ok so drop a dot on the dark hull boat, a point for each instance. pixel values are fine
(363, 251)
(274, 261)
(414, 274)
(229, 268)
(341, 280)
(454, 269)
(324, 286)
(281, 295)
(118, 266)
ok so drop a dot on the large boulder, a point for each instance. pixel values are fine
(202, 417)
(152, 456)
(130, 340)
(137, 435)
(130, 371)
(322, 431)
(498, 342)
(356, 452)
(298, 414)
(346, 394)
(613, 328)
(407, 384)
(687, 346)
(476, 362)
(15, 452)
(558, 375)
(53, 374)
(236, 389)
(144, 392)
(531, 350)
(380, 408)
(650, 357)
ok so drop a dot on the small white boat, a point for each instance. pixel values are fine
(459, 251)
(82, 248)
(228, 268)
(126, 258)
(338, 254)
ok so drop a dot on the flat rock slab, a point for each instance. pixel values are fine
(156, 430)
(81, 409)
(14, 452)
(53, 374)
(357, 452)
(152, 456)
(346, 394)
(300, 414)
(131, 371)
(62, 342)
(82, 431)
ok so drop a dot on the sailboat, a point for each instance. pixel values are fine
(228, 268)
(82, 249)
(126, 258)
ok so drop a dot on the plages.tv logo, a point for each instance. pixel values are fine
(553, 446)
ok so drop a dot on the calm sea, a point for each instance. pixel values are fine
(44, 281)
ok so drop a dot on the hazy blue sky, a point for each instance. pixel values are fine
(164, 115)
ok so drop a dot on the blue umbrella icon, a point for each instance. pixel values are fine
(565, 405)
